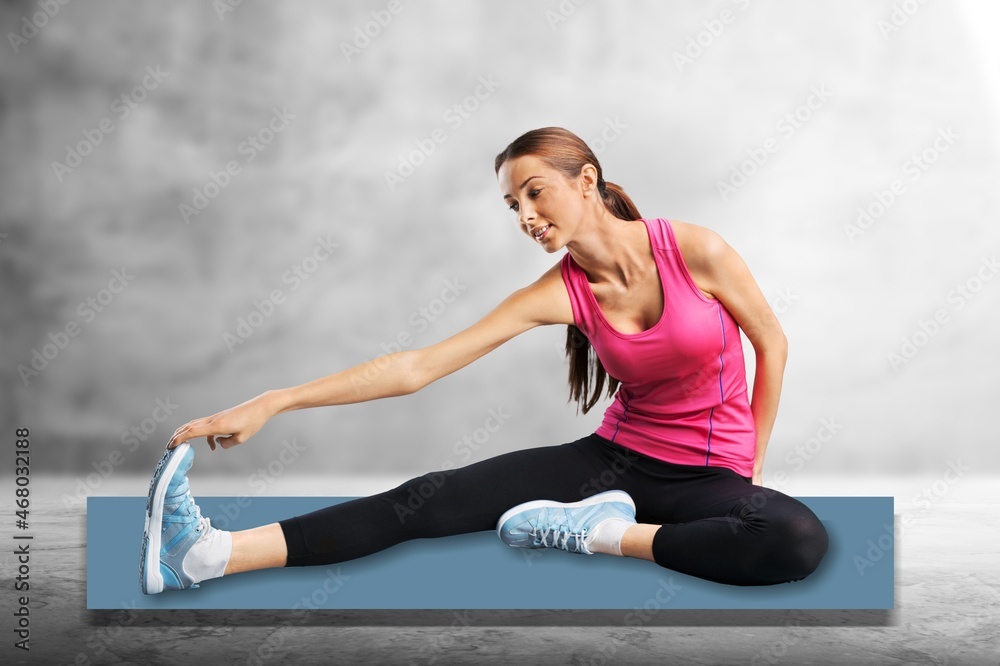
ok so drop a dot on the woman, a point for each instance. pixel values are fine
(673, 474)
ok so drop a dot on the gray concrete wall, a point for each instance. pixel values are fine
(675, 124)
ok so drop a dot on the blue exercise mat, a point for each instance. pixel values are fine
(477, 571)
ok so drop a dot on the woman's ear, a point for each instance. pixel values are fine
(588, 180)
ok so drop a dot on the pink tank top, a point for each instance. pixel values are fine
(683, 392)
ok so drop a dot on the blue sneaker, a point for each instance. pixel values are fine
(549, 524)
(174, 527)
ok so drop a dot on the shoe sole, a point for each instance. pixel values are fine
(608, 496)
(149, 562)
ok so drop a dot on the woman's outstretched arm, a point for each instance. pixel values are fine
(401, 373)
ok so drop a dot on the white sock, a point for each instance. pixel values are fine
(607, 536)
(209, 556)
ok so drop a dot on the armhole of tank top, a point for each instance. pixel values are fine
(659, 236)
(682, 264)
(567, 276)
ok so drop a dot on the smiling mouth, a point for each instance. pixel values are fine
(539, 234)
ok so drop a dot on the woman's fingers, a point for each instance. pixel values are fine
(177, 437)
(181, 435)
(195, 429)
(220, 439)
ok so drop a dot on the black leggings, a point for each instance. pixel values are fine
(716, 524)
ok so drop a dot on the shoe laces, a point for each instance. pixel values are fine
(561, 536)
(554, 529)
(187, 512)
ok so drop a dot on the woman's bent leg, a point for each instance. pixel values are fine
(764, 537)
(712, 523)
(445, 503)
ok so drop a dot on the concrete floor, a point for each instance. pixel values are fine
(947, 605)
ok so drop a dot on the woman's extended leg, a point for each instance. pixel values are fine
(445, 503)
(456, 501)
(258, 548)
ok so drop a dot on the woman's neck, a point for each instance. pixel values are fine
(611, 250)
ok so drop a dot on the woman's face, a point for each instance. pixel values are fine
(546, 205)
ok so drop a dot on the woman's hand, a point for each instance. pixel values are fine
(230, 427)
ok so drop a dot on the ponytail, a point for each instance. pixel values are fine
(616, 201)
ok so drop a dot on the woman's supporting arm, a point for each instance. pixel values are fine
(766, 392)
(723, 273)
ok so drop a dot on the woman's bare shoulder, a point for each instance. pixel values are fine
(702, 250)
(551, 297)
(699, 245)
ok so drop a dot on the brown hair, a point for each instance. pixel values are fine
(566, 152)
